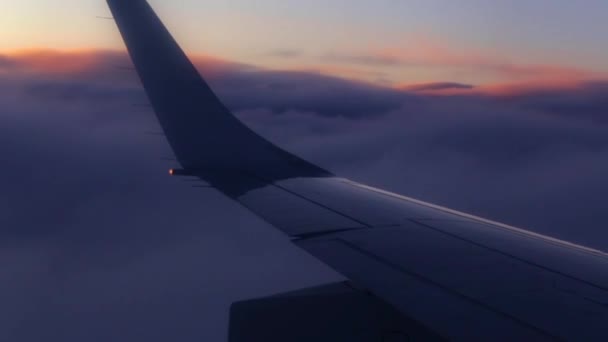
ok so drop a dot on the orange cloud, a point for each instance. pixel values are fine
(104, 64)
(521, 88)
(55, 61)
(510, 89)
(70, 62)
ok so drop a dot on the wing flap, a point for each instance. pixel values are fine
(464, 291)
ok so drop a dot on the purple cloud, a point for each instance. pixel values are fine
(95, 235)
(435, 86)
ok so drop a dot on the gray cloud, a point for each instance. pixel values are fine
(5, 62)
(437, 86)
(589, 101)
(286, 53)
(97, 243)
(324, 95)
(374, 60)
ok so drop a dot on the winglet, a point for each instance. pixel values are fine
(202, 132)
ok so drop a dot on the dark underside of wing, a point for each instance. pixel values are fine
(460, 276)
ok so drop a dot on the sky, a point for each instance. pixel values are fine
(494, 109)
(386, 41)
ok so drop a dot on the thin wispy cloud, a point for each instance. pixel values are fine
(286, 53)
(436, 87)
(435, 54)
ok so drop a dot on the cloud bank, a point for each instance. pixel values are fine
(98, 244)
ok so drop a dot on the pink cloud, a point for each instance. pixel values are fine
(103, 64)
(428, 53)
(70, 62)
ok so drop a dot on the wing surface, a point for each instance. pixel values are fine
(461, 276)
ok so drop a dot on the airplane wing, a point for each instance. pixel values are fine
(460, 276)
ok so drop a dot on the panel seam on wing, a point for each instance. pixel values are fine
(508, 255)
(400, 269)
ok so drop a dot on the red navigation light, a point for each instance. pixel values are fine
(179, 172)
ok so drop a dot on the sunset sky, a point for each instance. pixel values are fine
(386, 41)
(98, 243)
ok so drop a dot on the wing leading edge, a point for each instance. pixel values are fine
(461, 276)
